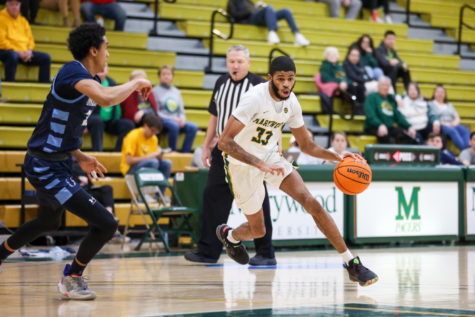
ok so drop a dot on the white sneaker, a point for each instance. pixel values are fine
(388, 19)
(74, 287)
(301, 40)
(273, 38)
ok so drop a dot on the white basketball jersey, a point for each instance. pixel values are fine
(264, 119)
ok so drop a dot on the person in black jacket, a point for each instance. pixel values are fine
(357, 74)
(390, 62)
(261, 14)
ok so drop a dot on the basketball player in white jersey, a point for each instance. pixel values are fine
(250, 148)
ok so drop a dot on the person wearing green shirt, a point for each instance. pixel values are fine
(384, 120)
(108, 119)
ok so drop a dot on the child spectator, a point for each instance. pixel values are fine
(140, 148)
(17, 44)
(448, 118)
(172, 111)
(108, 119)
(134, 107)
(446, 157)
(261, 14)
(107, 8)
(417, 112)
(368, 57)
(382, 115)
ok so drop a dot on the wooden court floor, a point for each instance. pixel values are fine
(418, 281)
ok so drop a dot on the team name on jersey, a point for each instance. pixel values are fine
(268, 123)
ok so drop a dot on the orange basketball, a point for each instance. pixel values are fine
(352, 176)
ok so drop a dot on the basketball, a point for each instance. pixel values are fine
(352, 176)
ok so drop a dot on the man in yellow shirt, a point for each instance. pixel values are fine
(140, 148)
(17, 44)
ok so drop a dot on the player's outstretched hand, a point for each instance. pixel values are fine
(92, 167)
(272, 168)
(144, 87)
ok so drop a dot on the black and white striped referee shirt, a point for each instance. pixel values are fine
(226, 96)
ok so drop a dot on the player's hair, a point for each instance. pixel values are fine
(85, 36)
(331, 50)
(138, 72)
(335, 133)
(239, 48)
(171, 68)
(389, 32)
(152, 121)
(281, 64)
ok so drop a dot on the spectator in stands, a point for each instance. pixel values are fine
(388, 59)
(373, 5)
(331, 71)
(107, 8)
(134, 107)
(467, 156)
(140, 148)
(63, 7)
(104, 194)
(17, 44)
(172, 111)
(363, 84)
(108, 119)
(29, 10)
(446, 156)
(417, 112)
(339, 144)
(353, 8)
(368, 57)
(261, 14)
(448, 118)
(384, 120)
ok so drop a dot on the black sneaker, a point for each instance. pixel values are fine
(196, 256)
(260, 260)
(237, 252)
(359, 273)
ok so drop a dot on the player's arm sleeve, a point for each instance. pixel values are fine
(248, 106)
(296, 120)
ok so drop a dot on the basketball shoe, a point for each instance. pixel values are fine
(237, 252)
(359, 273)
(74, 287)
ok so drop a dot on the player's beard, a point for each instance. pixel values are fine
(276, 90)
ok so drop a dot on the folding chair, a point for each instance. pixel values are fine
(148, 199)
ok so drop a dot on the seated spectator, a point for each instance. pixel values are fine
(373, 5)
(384, 120)
(106, 8)
(417, 112)
(29, 10)
(172, 111)
(446, 156)
(353, 8)
(368, 58)
(331, 71)
(363, 84)
(17, 44)
(339, 144)
(467, 156)
(261, 14)
(140, 148)
(63, 7)
(134, 107)
(390, 62)
(108, 119)
(448, 118)
(104, 194)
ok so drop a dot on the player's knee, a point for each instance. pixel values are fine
(311, 205)
(258, 232)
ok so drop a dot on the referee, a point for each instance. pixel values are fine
(217, 197)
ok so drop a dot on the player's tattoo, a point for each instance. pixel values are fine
(236, 151)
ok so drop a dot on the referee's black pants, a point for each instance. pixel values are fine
(217, 202)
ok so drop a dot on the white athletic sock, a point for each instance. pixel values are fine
(231, 238)
(347, 256)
